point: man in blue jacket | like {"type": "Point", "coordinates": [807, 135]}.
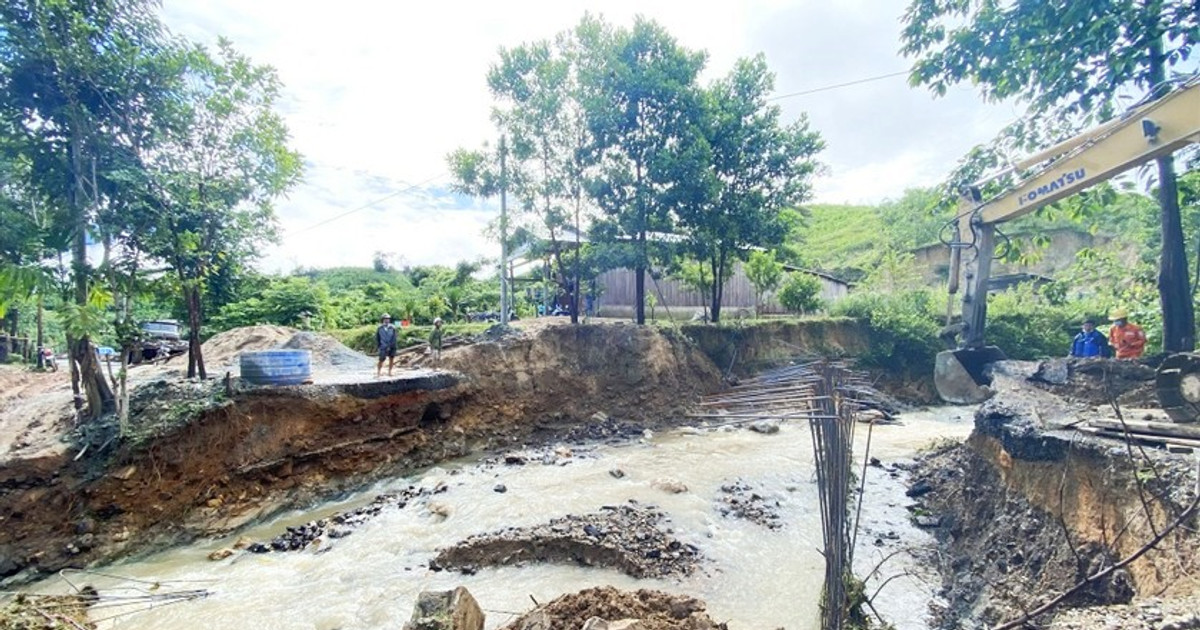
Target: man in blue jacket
{"type": "Point", "coordinates": [1089, 342]}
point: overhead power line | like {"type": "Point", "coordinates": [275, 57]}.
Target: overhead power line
{"type": "Point", "coordinates": [439, 175]}
{"type": "Point", "coordinates": [372, 203]}
{"type": "Point", "coordinates": [839, 85]}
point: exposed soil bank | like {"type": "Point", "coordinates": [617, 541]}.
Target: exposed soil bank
{"type": "Point", "coordinates": [1027, 508]}
{"type": "Point", "coordinates": [743, 350]}
{"type": "Point", "coordinates": [204, 460]}
{"type": "Point", "coordinates": [562, 375]}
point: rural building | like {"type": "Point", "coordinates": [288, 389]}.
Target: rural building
{"type": "Point", "coordinates": [616, 294]}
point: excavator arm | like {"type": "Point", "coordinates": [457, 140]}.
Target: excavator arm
{"type": "Point", "coordinates": [1156, 129]}
{"type": "Point", "coordinates": [1144, 133]}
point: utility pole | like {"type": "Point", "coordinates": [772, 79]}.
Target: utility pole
{"type": "Point", "coordinates": [504, 292]}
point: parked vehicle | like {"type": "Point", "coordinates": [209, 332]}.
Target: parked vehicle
{"type": "Point", "coordinates": [160, 340]}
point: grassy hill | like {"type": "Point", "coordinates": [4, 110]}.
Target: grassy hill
{"type": "Point", "coordinates": [843, 239]}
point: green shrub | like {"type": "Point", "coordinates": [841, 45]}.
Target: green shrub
{"type": "Point", "coordinates": [801, 293]}
{"type": "Point", "coordinates": [362, 338]}
{"type": "Point", "coordinates": [904, 328]}
{"type": "Point", "coordinates": [1026, 325]}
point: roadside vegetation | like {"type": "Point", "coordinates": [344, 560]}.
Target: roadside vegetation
{"type": "Point", "coordinates": [139, 175]}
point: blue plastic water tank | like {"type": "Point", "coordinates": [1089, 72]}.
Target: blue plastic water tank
{"type": "Point", "coordinates": [277, 367]}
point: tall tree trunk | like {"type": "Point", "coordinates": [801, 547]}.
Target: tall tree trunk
{"type": "Point", "coordinates": [639, 280]}
{"type": "Point", "coordinates": [714, 298]}
{"type": "Point", "coordinates": [578, 286]}
{"type": "Point", "coordinates": [97, 392]}
{"type": "Point", "coordinates": [195, 355]}
{"type": "Point", "coordinates": [1179, 324]}
{"type": "Point", "coordinates": [639, 272]}
{"type": "Point", "coordinates": [13, 316]}
{"type": "Point", "coordinates": [1179, 319]}
{"type": "Point", "coordinates": [76, 381]}
{"type": "Point", "coordinates": [41, 330]}
{"type": "Point", "coordinates": [719, 278]}
{"type": "Point", "coordinates": [127, 347]}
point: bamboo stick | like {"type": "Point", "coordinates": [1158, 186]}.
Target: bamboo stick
{"type": "Point", "coordinates": [1157, 440]}
{"type": "Point", "coordinates": [1153, 428]}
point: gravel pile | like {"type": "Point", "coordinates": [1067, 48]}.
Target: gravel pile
{"type": "Point", "coordinates": [739, 500]}
{"type": "Point", "coordinates": [631, 538]}
{"type": "Point", "coordinates": [341, 524]}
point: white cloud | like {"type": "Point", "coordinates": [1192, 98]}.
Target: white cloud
{"type": "Point", "coordinates": [377, 93]}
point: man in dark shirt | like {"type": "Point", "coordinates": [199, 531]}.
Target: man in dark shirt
{"type": "Point", "coordinates": [385, 340]}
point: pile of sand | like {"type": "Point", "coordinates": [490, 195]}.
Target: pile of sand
{"type": "Point", "coordinates": [328, 352]}
{"type": "Point", "coordinates": [223, 349]}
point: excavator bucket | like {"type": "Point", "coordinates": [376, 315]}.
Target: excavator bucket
{"type": "Point", "coordinates": [960, 375]}
{"type": "Point", "coordinates": [1178, 384]}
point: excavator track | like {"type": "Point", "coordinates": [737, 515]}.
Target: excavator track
{"type": "Point", "coordinates": [1178, 384]}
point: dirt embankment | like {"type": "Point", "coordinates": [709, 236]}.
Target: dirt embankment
{"type": "Point", "coordinates": [560, 375]}
{"type": "Point", "coordinates": [201, 459]}
{"type": "Point", "coordinates": [744, 350]}
{"type": "Point", "coordinates": [1028, 508]}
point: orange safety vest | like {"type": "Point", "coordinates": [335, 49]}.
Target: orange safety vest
{"type": "Point", "coordinates": [1127, 340]}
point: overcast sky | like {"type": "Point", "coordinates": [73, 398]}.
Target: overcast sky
{"type": "Point", "coordinates": [378, 92]}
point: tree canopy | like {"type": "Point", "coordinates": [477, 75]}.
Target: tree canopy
{"type": "Point", "coordinates": [115, 132]}
{"type": "Point", "coordinates": [1073, 63]}
{"type": "Point", "coordinates": [611, 125]}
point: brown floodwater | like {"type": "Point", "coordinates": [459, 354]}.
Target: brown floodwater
{"type": "Point", "coordinates": [752, 577]}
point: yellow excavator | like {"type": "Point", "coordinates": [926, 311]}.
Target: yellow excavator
{"type": "Point", "coordinates": [1143, 133]}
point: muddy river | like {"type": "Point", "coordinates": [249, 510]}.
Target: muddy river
{"type": "Point", "coordinates": [752, 576]}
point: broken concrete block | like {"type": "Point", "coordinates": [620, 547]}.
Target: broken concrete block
{"type": "Point", "coordinates": [446, 610]}
{"type": "Point", "coordinates": [1053, 371]}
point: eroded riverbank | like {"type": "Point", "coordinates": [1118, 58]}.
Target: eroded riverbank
{"type": "Point", "coordinates": [751, 575]}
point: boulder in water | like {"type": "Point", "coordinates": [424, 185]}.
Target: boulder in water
{"type": "Point", "coordinates": [446, 610]}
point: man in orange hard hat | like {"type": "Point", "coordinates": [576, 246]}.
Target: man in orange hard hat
{"type": "Point", "coordinates": [1127, 339]}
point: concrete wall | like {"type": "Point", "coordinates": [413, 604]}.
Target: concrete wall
{"type": "Point", "coordinates": [934, 260]}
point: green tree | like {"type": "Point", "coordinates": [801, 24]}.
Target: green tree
{"type": "Point", "coordinates": [893, 272]}
{"type": "Point", "coordinates": [81, 86]}
{"type": "Point", "coordinates": [539, 109]}
{"type": "Point", "coordinates": [641, 101]}
{"type": "Point", "coordinates": [765, 273]}
{"type": "Point", "coordinates": [801, 293]}
{"type": "Point", "coordinates": [213, 172]}
{"type": "Point", "coordinates": [695, 276]}
{"type": "Point", "coordinates": [1071, 62]}
{"type": "Point", "coordinates": [24, 247]}
{"type": "Point", "coordinates": [753, 167]}
{"type": "Point", "coordinates": [915, 219]}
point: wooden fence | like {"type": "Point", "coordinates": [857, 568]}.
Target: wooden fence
{"type": "Point", "coordinates": [15, 347]}
{"type": "Point", "coordinates": [617, 291]}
